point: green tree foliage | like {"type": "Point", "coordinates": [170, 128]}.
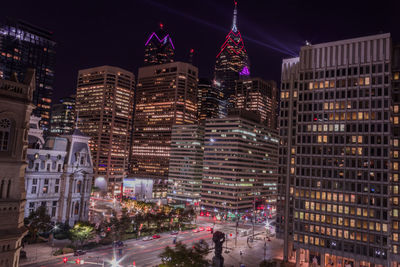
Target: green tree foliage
{"type": "Point", "coordinates": [38, 221]}
{"type": "Point", "coordinates": [182, 256]}
{"type": "Point", "coordinates": [81, 232]}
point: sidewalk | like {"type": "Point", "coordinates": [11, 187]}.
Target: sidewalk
{"type": "Point", "coordinates": [42, 252]}
{"type": "Point", "coordinates": [251, 256]}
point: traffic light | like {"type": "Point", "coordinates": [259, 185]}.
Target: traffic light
{"type": "Point", "coordinates": [230, 235]}
{"type": "Point", "coordinates": [78, 261]}
{"type": "Point", "coordinates": [65, 259]}
{"type": "Point", "coordinates": [134, 264]}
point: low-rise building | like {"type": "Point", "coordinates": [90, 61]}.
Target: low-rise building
{"type": "Point", "coordinates": [138, 188]}
{"type": "Point", "coordinates": [59, 175]}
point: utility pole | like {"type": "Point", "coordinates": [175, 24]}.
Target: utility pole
{"type": "Point", "coordinates": [265, 249]}
{"type": "Point", "coordinates": [237, 224]}
{"type": "Point", "coordinates": [254, 212]}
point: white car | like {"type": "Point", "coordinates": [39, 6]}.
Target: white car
{"type": "Point", "coordinates": [147, 238]}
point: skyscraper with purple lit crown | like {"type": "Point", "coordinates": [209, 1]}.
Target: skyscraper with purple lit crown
{"type": "Point", "coordinates": [159, 48]}
{"type": "Point", "coordinates": [231, 64]}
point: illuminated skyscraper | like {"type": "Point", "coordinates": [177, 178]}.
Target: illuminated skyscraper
{"type": "Point", "coordinates": [104, 104]}
{"type": "Point", "coordinates": [240, 164]}
{"type": "Point", "coordinates": [186, 164]}
{"type": "Point", "coordinates": [339, 153]}
{"type": "Point", "coordinates": [24, 46]}
{"type": "Point", "coordinates": [63, 116]}
{"type": "Point", "coordinates": [159, 48]}
{"type": "Point", "coordinates": [232, 63]}
{"type": "Point", "coordinates": [255, 94]}
{"type": "Point", "coordinates": [208, 100]}
{"type": "Point", "coordinates": [166, 95]}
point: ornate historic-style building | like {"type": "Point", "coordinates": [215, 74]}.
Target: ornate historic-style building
{"type": "Point", "coordinates": [59, 175]}
{"type": "Point", "coordinates": [15, 109]}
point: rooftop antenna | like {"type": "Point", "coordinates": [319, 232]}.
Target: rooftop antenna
{"type": "Point", "coordinates": [234, 23]}
{"type": "Point", "coordinates": [191, 56]}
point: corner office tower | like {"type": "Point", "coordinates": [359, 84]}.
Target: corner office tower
{"type": "Point", "coordinates": [339, 153]}
{"type": "Point", "coordinates": [232, 63]}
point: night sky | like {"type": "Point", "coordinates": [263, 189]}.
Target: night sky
{"type": "Point", "coordinates": [94, 33]}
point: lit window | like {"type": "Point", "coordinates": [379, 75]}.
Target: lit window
{"type": "Point", "coordinates": [5, 127]}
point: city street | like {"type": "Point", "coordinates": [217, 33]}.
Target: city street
{"type": "Point", "coordinates": [146, 253]}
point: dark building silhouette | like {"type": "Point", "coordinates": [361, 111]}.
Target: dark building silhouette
{"type": "Point", "coordinates": [24, 46]}
{"type": "Point", "coordinates": [208, 99]}
{"type": "Point", "coordinates": [63, 116]}
{"type": "Point", "coordinates": [159, 48]}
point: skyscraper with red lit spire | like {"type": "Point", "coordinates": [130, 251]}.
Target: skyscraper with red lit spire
{"type": "Point", "coordinates": [232, 63]}
{"type": "Point", "coordinates": [159, 48]}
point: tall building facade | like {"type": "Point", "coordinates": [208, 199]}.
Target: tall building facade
{"type": "Point", "coordinates": [63, 116]}
{"type": "Point", "coordinates": [24, 46]}
{"type": "Point", "coordinates": [104, 104]}
{"type": "Point", "coordinates": [159, 48]}
{"type": "Point", "coordinates": [240, 164]}
{"type": "Point", "coordinates": [342, 181]}
{"type": "Point", "coordinates": [59, 175]}
{"type": "Point", "coordinates": [166, 95]}
{"type": "Point", "coordinates": [186, 164]}
{"type": "Point", "coordinates": [287, 151]}
{"type": "Point", "coordinates": [208, 100]}
{"type": "Point", "coordinates": [232, 63]}
{"type": "Point", "coordinates": [257, 95]}
{"type": "Point", "coordinates": [16, 103]}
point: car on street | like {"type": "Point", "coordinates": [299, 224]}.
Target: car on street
{"type": "Point", "coordinates": [156, 236]}
{"type": "Point", "coordinates": [209, 229]}
{"type": "Point", "coordinates": [174, 232]}
{"type": "Point", "coordinates": [79, 253]}
{"type": "Point", "coordinates": [196, 230]}
{"type": "Point", "coordinates": [147, 238]}
{"type": "Point", "coordinates": [201, 229]}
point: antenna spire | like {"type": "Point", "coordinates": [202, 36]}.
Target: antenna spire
{"type": "Point", "coordinates": [234, 26]}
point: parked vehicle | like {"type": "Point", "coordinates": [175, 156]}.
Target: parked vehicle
{"type": "Point", "coordinates": [79, 253]}
{"type": "Point", "coordinates": [156, 236]}
{"type": "Point", "coordinates": [147, 238]}
{"type": "Point", "coordinates": [174, 232]}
